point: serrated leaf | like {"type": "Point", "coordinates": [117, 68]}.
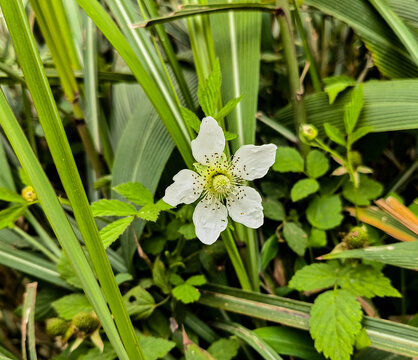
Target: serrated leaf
{"type": "Point", "coordinates": [190, 118]}
{"type": "Point", "coordinates": [288, 160]}
{"type": "Point", "coordinates": [315, 276]}
{"type": "Point", "coordinates": [115, 229]}
{"type": "Point", "coordinates": [359, 133]}
{"type": "Point", "coordinates": [11, 196]}
{"type": "Point", "coordinates": [67, 272]}
{"type": "Point", "coordinates": [105, 207]}
{"type": "Point", "coordinates": [70, 305]}
{"type": "Point", "coordinates": [196, 280]}
{"type": "Point", "coordinates": [188, 231]}
{"type": "Point", "coordinates": [209, 92]}
{"type": "Point", "coordinates": [368, 190]}
{"type": "Point", "coordinates": [362, 340]}
{"type": "Point", "coordinates": [102, 182]}
{"type": "Point", "coordinates": [136, 193]}
{"type": "Point", "coordinates": [324, 212]}
{"type": "Point", "coordinates": [317, 238]}
{"type": "Point", "coordinates": [194, 352]}
{"type": "Point", "coordinates": [273, 209]}
{"type": "Point", "coordinates": [186, 293]}
{"type": "Point", "coordinates": [336, 84]}
{"type": "Point", "coordinates": [224, 349]}
{"type": "Point", "coordinates": [176, 279]}
{"type": "Point", "coordinates": [317, 164]}
{"type": "Point", "coordinates": [269, 251]}
{"type": "Point", "coordinates": [139, 302]}
{"type": "Point", "coordinates": [230, 105]}
{"type": "Point", "coordinates": [335, 321]}
{"type": "Point", "coordinates": [303, 188]}
{"type": "Point", "coordinates": [149, 212]}
{"type": "Point", "coordinates": [334, 134]}
{"type": "Point", "coordinates": [295, 237]}
{"type": "Point", "coordinates": [155, 348]}
{"type": "Point", "coordinates": [162, 205]}
{"type": "Point", "coordinates": [10, 215]}
{"type": "Point", "coordinates": [160, 277]}
{"type": "Point", "coordinates": [353, 108]}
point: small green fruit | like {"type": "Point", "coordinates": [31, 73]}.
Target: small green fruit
{"type": "Point", "coordinates": [86, 322]}
{"type": "Point", "coordinates": [357, 238]}
{"type": "Point", "coordinates": [57, 327]}
{"type": "Point", "coordinates": [308, 131]}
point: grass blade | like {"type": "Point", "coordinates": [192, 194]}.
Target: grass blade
{"type": "Point", "coordinates": [28, 321]}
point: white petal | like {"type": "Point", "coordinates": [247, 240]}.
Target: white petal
{"type": "Point", "coordinates": [244, 206]}
{"type": "Point", "coordinates": [252, 162]}
{"type": "Point", "coordinates": [210, 218]}
{"type": "Point", "coordinates": [186, 188]}
{"type": "Point", "coordinates": [210, 143]}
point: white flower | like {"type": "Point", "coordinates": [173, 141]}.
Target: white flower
{"type": "Point", "coordinates": [220, 181]}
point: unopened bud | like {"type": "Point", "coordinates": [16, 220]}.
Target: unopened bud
{"type": "Point", "coordinates": [57, 327]}
{"type": "Point", "coordinates": [29, 194]}
{"type": "Point", "coordinates": [357, 238]}
{"type": "Point", "coordinates": [355, 159]}
{"type": "Point", "coordinates": [308, 131]}
{"type": "Point", "coordinates": [86, 322]}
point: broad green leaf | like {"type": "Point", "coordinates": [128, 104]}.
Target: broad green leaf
{"type": "Point", "coordinates": [317, 164]}
{"type": "Point", "coordinates": [324, 212]}
{"type": "Point", "coordinates": [194, 352]}
{"type": "Point", "coordinates": [368, 189]}
{"type": "Point", "coordinates": [70, 305]}
{"type": "Point", "coordinates": [10, 215]}
{"type": "Point", "coordinates": [155, 348]}
{"type": "Point", "coordinates": [303, 188]}
{"type": "Point", "coordinates": [273, 209]}
{"type": "Point", "coordinates": [196, 280]}
{"type": "Point", "coordinates": [335, 321]}
{"type": "Point", "coordinates": [317, 238]}
{"type": "Point", "coordinates": [288, 160]}
{"type": "Point", "coordinates": [191, 118]}
{"type": "Point", "coordinates": [359, 133]}
{"type": "Point", "coordinates": [362, 340]}
{"type": "Point", "coordinates": [163, 205]}
{"type": "Point", "coordinates": [295, 237]}
{"type": "Point", "coordinates": [224, 349]}
{"type": "Point", "coordinates": [136, 193]}
{"type": "Point", "coordinates": [334, 134]}
{"type": "Point", "coordinates": [176, 279]}
{"type": "Point", "coordinates": [115, 229]}
{"type": "Point", "coordinates": [186, 293]}
{"type": "Point", "coordinates": [209, 92]}
{"type": "Point", "coordinates": [149, 212]}
{"type": "Point", "coordinates": [230, 105]}
{"type": "Point", "coordinates": [66, 271]}
{"type": "Point", "coordinates": [229, 136]}
{"type": "Point", "coordinates": [154, 245]}
{"type": "Point", "coordinates": [139, 302]}
{"type": "Point", "coordinates": [188, 231]}
{"type": "Point", "coordinates": [105, 207]}
{"type": "Point", "coordinates": [353, 108]}
{"type": "Point", "coordinates": [336, 84]}
{"type": "Point", "coordinates": [11, 196]}
{"type": "Point", "coordinates": [315, 276]}
{"type": "Point", "coordinates": [160, 277]}
{"type": "Point", "coordinates": [269, 251]}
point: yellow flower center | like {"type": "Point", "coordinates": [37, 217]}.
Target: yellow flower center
{"type": "Point", "coordinates": [221, 184]}
{"type": "Point", "coordinates": [29, 194]}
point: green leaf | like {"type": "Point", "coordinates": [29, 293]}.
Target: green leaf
{"type": "Point", "coordinates": [160, 276]}
{"type": "Point", "coordinates": [186, 293]}
{"type": "Point", "coordinates": [115, 229]}
{"type": "Point", "coordinates": [317, 238]}
{"type": "Point", "coordinates": [295, 237]}
{"type": "Point", "coordinates": [368, 190]}
{"type": "Point", "coordinates": [70, 305]}
{"type": "Point", "coordinates": [188, 231]}
{"type": "Point", "coordinates": [335, 321]}
{"type": "Point", "coordinates": [229, 136]}
{"type": "Point", "coordinates": [362, 339]}
{"type": "Point", "coordinates": [95, 353]}
{"type": "Point", "coordinates": [324, 212]}
{"type": "Point", "coordinates": [149, 212]}
{"type": "Point", "coordinates": [269, 251]}
{"type": "Point", "coordinates": [136, 193]}
{"type": "Point", "coordinates": [315, 276]}
{"type": "Point", "coordinates": [24, 178]}
{"type": "Point", "coordinates": [105, 207]}
{"type": "Point", "coordinates": [230, 105]}
{"type": "Point", "coordinates": [317, 164]}
{"type": "Point", "coordinates": [191, 119]}
{"type": "Point", "coordinates": [162, 205]}
{"type": "Point", "coordinates": [288, 160]}
{"type": "Point", "coordinates": [10, 215]}
{"type": "Point", "coordinates": [224, 349]}
{"type": "Point", "coordinates": [155, 348]}
{"type": "Point", "coordinates": [196, 280]}
{"type": "Point", "coordinates": [352, 109]}
{"type": "Point", "coordinates": [210, 92]}
{"type": "Point", "coordinates": [66, 271]}
{"type": "Point", "coordinates": [336, 84]}
{"type": "Point", "coordinates": [11, 196]}
{"type": "Point", "coordinates": [176, 279]}
{"type": "Point", "coordinates": [334, 134]}
{"type": "Point", "coordinates": [139, 303]}
{"type": "Point", "coordinates": [194, 352]}
{"type": "Point", "coordinates": [359, 133]}
{"type": "Point", "coordinates": [303, 188]}
{"type": "Point", "coordinates": [273, 209]}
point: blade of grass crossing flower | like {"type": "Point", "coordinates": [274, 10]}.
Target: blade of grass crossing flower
{"type": "Point", "coordinates": [30, 62]}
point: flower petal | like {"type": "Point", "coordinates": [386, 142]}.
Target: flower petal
{"type": "Point", "coordinates": [252, 162]}
{"type": "Point", "coordinates": [244, 206]}
{"type": "Point", "coordinates": [210, 143]}
{"type": "Point", "coordinates": [210, 218]}
{"type": "Point", "coordinates": [186, 188]}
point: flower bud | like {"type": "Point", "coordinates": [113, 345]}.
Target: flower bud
{"type": "Point", "coordinates": [29, 194]}
{"type": "Point", "coordinates": [308, 131]}
{"type": "Point", "coordinates": [86, 322]}
{"type": "Point", "coordinates": [355, 158]}
{"type": "Point", "coordinates": [357, 238]}
{"type": "Point", "coordinates": [57, 327]}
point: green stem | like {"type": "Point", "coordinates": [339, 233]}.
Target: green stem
{"type": "Point", "coordinates": [235, 258]}
{"type": "Point", "coordinates": [326, 148]}
{"type": "Point", "coordinates": [43, 234]}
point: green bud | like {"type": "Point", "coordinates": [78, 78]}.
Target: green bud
{"type": "Point", "coordinates": [355, 158]}
{"type": "Point", "coordinates": [29, 194]}
{"type": "Point", "coordinates": [357, 238]}
{"type": "Point", "coordinates": [308, 131]}
{"type": "Point", "coordinates": [86, 322]}
{"type": "Point", "coordinates": [57, 327]}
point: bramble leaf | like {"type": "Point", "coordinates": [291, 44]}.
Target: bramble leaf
{"type": "Point", "coordinates": [288, 160]}
{"type": "Point", "coordinates": [353, 109]}
{"type": "Point", "coordinates": [336, 84]}
{"type": "Point", "coordinates": [315, 276]}
{"type": "Point", "coordinates": [295, 237]}
{"type": "Point", "coordinates": [70, 305]}
{"type": "Point", "coordinates": [317, 164]}
{"type": "Point", "coordinates": [324, 212]}
{"type": "Point", "coordinates": [186, 293]}
{"type": "Point", "coordinates": [317, 238]}
{"type": "Point", "coordinates": [105, 207]}
{"type": "Point", "coordinates": [224, 349]}
{"type": "Point", "coordinates": [10, 215]}
{"type": "Point", "coordinates": [115, 229]}
{"type": "Point", "coordinates": [273, 209]}
{"type": "Point", "coordinates": [136, 193]}
{"type": "Point", "coordinates": [334, 134]}
{"type": "Point", "coordinates": [303, 188]}
{"type": "Point", "coordinates": [209, 91]}
{"type": "Point", "coordinates": [190, 118]}
{"type": "Point", "coordinates": [230, 105]}
{"type": "Point", "coordinates": [149, 212]}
